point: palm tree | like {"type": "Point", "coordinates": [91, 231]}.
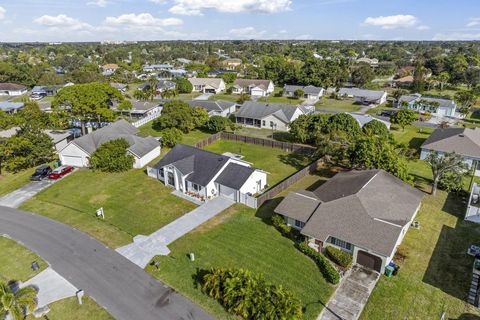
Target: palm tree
{"type": "Point", "coordinates": [17, 304]}
{"type": "Point", "coordinates": [153, 83]}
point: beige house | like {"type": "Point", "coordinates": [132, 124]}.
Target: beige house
{"type": "Point", "coordinates": [207, 85]}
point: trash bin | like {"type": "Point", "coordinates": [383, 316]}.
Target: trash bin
{"type": "Point", "coordinates": [389, 271]}
{"type": "Point", "coordinates": [395, 271]}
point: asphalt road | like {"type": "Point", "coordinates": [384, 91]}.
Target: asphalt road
{"type": "Point", "coordinates": [126, 291]}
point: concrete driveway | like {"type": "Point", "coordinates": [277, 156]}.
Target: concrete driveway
{"type": "Point", "coordinates": [19, 196]}
{"type": "Point", "coordinates": [126, 291]}
{"type": "Point", "coordinates": [204, 96]}
{"type": "Point", "coordinates": [351, 296]}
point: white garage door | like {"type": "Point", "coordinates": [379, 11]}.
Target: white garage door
{"type": "Point", "coordinates": [72, 161]}
{"type": "Point", "coordinates": [227, 192]}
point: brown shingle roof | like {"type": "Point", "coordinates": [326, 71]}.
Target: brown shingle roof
{"type": "Point", "coordinates": [6, 86]}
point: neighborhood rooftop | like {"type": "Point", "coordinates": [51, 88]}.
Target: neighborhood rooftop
{"type": "Point", "coordinates": [464, 141]}
{"type": "Point", "coordinates": [211, 105]}
{"type": "Point", "coordinates": [363, 93]}
{"type": "Point", "coordinates": [258, 110]}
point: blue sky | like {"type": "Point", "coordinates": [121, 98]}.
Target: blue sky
{"type": "Point", "coordinates": [96, 20]}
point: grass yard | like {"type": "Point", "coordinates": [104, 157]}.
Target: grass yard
{"type": "Point", "coordinates": [436, 273]}
{"type": "Point", "coordinates": [242, 238]}
{"type": "Point", "coordinates": [282, 100]}
{"type": "Point", "coordinates": [190, 138]}
{"type": "Point", "coordinates": [279, 164]}
{"type": "Point", "coordinates": [12, 181]}
{"type": "Point", "coordinates": [69, 309]}
{"type": "Point", "coordinates": [226, 97]}
{"type": "Point", "coordinates": [133, 202]}
{"type": "Point", "coordinates": [337, 105]}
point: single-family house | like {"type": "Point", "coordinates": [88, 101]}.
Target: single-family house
{"type": "Point", "coordinates": [403, 81]}
{"type": "Point", "coordinates": [143, 149]}
{"type": "Point", "coordinates": [365, 213]}
{"type": "Point", "coordinates": [215, 107]}
{"type": "Point", "coordinates": [463, 141]}
{"type": "Point", "coordinates": [12, 89]}
{"type": "Point", "coordinates": [158, 67]}
{"type": "Point", "coordinates": [109, 69]}
{"type": "Point", "coordinates": [119, 86]}
{"type": "Point", "coordinates": [60, 138]}
{"type": "Point", "coordinates": [371, 62]}
{"type": "Point", "coordinates": [140, 109]}
{"type": "Point", "coordinates": [364, 96]}
{"type": "Point", "coordinates": [310, 92]}
{"type": "Point", "coordinates": [255, 88]}
{"type": "Point", "coordinates": [363, 119]}
{"type": "Point", "coordinates": [45, 91]}
{"type": "Point", "coordinates": [207, 85]}
{"type": "Point", "coordinates": [219, 72]}
{"type": "Point", "coordinates": [11, 107]}
{"type": "Point", "coordinates": [205, 175]}
{"type": "Point", "coordinates": [436, 106]}
{"type": "Point", "coordinates": [165, 85]}
{"type": "Point", "coordinates": [232, 63]}
{"type": "Point", "coordinates": [184, 60]}
{"type": "Point", "coordinates": [270, 115]}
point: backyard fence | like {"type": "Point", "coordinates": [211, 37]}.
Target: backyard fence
{"type": "Point", "coordinates": [152, 116]}
{"type": "Point", "coordinates": [285, 146]}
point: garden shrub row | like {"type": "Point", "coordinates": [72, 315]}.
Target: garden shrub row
{"type": "Point", "coordinates": [327, 269]}
{"type": "Point", "coordinates": [342, 258]}
{"type": "Point", "coordinates": [287, 231]}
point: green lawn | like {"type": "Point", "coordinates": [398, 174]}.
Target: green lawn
{"type": "Point", "coordinates": [133, 202]}
{"type": "Point", "coordinates": [436, 273]}
{"type": "Point", "coordinates": [264, 133]}
{"type": "Point", "coordinates": [12, 181]}
{"type": "Point", "coordinates": [279, 164]}
{"type": "Point", "coordinates": [69, 309]}
{"type": "Point", "coordinates": [242, 238]}
{"type": "Point", "coordinates": [226, 97]}
{"type": "Point", "coordinates": [283, 100]}
{"type": "Point", "coordinates": [190, 138]}
{"type": "Point", "coordinates": [345, 105]}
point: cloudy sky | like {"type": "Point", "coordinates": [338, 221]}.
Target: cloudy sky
{"type": "Point", "coordinates": [96, 20]}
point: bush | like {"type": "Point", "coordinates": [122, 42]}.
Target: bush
{"type": "Point", "coordinates": [170, 137]}
{"type": "Point", "coordinates": [340, 257]}
{"type": "Point", "coordinates": [243, 98]}
{"type": "Point", "coordinates": [249, 296]}
{"type": "Point", "coordinates": [326, 268]}
{"type": "Point", "coordinates": [218, 124]}
{"type": "Point", "coordinates": [287, 231]}
{"type": "Point", "coordinates": [183, 85]}
{"type": "Point", "coordinates": [112, 156]}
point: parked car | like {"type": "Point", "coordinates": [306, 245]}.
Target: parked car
{"type": "Point", "coordinates": [60, 172]}
{"type": "Point", "coordinates": [388, 113]}
{"type": "Point", "coordinates": [41, 173]}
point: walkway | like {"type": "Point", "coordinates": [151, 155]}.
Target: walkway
{"type": "Point", "coordinates": [126, 291]}
{"type": "Point", "coordinates": [144, 248]}
{"type": "Point", "coordinates": [351, 296]}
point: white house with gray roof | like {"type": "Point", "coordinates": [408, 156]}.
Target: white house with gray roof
{"type": "Point", "coordinates": [253, 87]}
{"type": "Point", "coordinates": [436, 106]}
{"type": "Point", "coordinates": [205, 175]}
{"type": "Point", "coordinates": [364, 96]}
{"type": "Point", "coordinates": [270, 115]}
{"type": "Point", "coordinates": [365, 213]}
{"type": "Point", "coordinates": [215, 107]}
{"type": "Point", "coordinates": [143, 149]}
{"type": "Point", "coordinates": [207, 85]}
{"type": "Point", "coordinates": [310, 92]}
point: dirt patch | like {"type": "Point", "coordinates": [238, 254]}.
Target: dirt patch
{"type": "Point", "coordinates": [99, 198]}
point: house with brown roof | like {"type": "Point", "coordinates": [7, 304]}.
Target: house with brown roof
{"type": "Point", "coordinates": [255, 88]}
{"type": "Point", "coordinates": [12, 89]}
{"type": "Point", "coordinates": [463, 141]}
{"type": "Point", "coordinates": [365, 213]}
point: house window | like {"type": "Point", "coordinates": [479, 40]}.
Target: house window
{"type": "Point", "coordinates": [271, 124]}
{"type": "Point", "coordinates": [299, 224]}
{"type": "Point", "coordinates": [196, 187]}
{"type": "Point", "coordinates": [263, 122]}
{"type": "Point", "coordinates": [162, 173]}
{"type": "Point", "coordinates": [171, 179]}
{"type": "Point", "coordinates": [340, 243]}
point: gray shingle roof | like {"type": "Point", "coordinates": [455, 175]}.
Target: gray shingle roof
{"type": "Point", "coordinates": [244, 83]}
{"type": "Point", "coordinates": [139, 146]}
{"type": "Point", "coordinates": [307, 89]}
{"type": "Point", "coordinates": [463, 141]}
{"type": "Point", "coordinates": [211, 105]}
{"type": "Point", "coordinates": [212, 82]}
{"type": "Point", "coordinates": [234, 175]}
{"type": "Point", "coordinates": [370, 95]}
{"type": "Point", "coordinates": [442, 103]}
{"type": "Point", "coordinates": [298, 205]}
{"type": "Point", "coordinates": [367, 208]}
{"type": "Point", "coordinates": [259, 110]}
{"type": "Point", "coordinates": [201, 164]}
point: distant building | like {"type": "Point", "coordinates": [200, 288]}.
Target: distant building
{"type": "Point", "coordinates": [255, 88]}
{"type": "Point", "coordinates": [436, 106]}
{"type": "Point", "coordinates": [310, 92]}
{"type": "Point", "coordinates": [207, 85]}
{"type": "Point", "coordinates": [11, 107]}
{"type": "Point", "coordinates": [364, 96]}
{"type": "Point", "coordinates": [109, 69]}
{"type": "Point", "coordinates": [12, 89]}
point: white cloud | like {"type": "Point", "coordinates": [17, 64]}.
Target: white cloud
{"type": "Point", "coordinates": [159, 1]}
{"type": "Point", "coordinates": [423, 28]}
{"type": "Point", "coordinates": [473, 22]}
{"type": "Point", "coordinates": [196, 7]}
{"type": "Point", "coordinates": [142, 20]}
{"type": "Point", "coordinates": [2, 13]}
{"type": "Point", "coordinates": [62, 21]}
{"type": "Point", "coordinates": [455, 36]}
{"type": "Point", "coordinates": [392, 22]}
{"type": "Point", "coordinates": [98, 3]}
{"type": "Point", "coordinates": [247, 33]}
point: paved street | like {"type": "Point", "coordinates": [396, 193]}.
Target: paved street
{"type": "Point", "coordinates": [126, 291]}
{"type": "Point", "coordinates": [19, 196]}
{"type": "Point", "coordinates": [144, 248]}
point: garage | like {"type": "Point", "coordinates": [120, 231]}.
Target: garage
{"type": "Point", "coordinates": [227, 192]}
{"type": "Point", "coordinates": [369, 260]}
{"type": "Point", "coordinates": [73, 161]}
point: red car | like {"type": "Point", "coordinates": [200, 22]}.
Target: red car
{"type": "Point", "coordinates": [60, 172]}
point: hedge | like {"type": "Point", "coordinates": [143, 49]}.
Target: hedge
{"type": "Point", "coordinates": [278, 222]}
{"type": "Point", "coordinates": [326, 268]}
{"type": "Point", "coordinates": [340, 257]}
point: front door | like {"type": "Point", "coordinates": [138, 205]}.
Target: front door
{"type": "Point", "coordinates": [170, 179]}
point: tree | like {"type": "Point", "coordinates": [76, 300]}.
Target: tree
{"type": "Point", "coordinates": [443, 163]}
{"type": "Point", "coordinates": [229, 77]}
{"type": "Point", "coordinates": [200, 116]}
{"type": "Point", "coordinates": [362, 74]}
{"type": "Point", "coordinates": [152, 87]}
{"type": "Point", "coordinates": [170, 137]}
{"type": "Point", "coordinates": [403, 118]}
{"type": "Point", "coordinates": [376, 127]}
{"type": "Point", "coordinates": [419, 77]}
{"type": "Point", "coordinates": [31, 115]}
{"type": "Point", "coordinates": [443, 78]}
{"type": "Point", "coordinates": [466, 99]}
{"type": "Point", "coordinates": [243, 97]}
{"type": "Point", "coordinates": [299, 94]}
{"type": "Point", "coordinates": [177, 114]}
{"type": "Point", "coordinates": [169, 94]}
{"type": "Point", "coordinates": [140, 95]}
{"type": "Point", "coordinates": [112, 156]}
{"type": "Point", "coordinates": [183, 85]}
{"type": "Point", "coordinates": [88, 102]}
{"type": "Point", "coordinates": [472, 76]}
{"type": "Point", "coordinates": [218, 124]}
{"type": "Point", "coordinates": [343, 122]}
{"type": "Point", "coordinates": [15, 303]}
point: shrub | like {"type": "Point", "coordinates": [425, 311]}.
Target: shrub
{"type": "Point", "coordinates": [243, 98]}
{"type": "Point", "coordinates": [218, 124]}
{"type": "Point", "coordinates": [326, 268]}
{"type": "Point", "coordinates": [249, 296]}
{"type": "Point", "coordinates": [340, 257]}
{"type": "Point", "coordinates": [170, 137]}
{"type": "Point", "coordinates": [112, 156]}
{"type": "Point", "coordinates": [287, 231]}
{"type": "Point", "coordinates": [183, 85]}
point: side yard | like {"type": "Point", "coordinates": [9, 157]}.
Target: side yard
{"type": "Point", "coordinates": [345, 105]}
{"type": "Point", "coordinates": [190, 138]}
{"type": "Point", "coordinates": [12, 181]}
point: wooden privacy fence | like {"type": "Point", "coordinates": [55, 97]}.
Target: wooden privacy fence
{"type": "Point", "coordinates": [285, 146]}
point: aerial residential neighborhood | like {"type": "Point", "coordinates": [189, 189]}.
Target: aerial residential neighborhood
{"type": "Point", "coordinates": [239, 159]}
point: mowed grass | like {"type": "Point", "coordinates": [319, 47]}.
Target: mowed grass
{"type": "Point", "coordinates": [69, 309]}
{"type": "Point", "coordinates": [345, 105]}
{"type": "Point", "coordinates": [190, 138]}
{"type": "Point", "coordinates": [12, 181]}
{"type": "Point", "coordinates": [436, 273]}
{"type": "Point", "coordinates": [279, 164]}
{"type": "Point", "coordinates": [133, 204]}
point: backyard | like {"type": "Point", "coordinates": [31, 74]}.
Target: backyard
{"type": "Point", "coordinates": [16, 261]}
{"type": "Point", "coordinates": [240, 237]}
{"type": "Point", "coordinates": [330, 104]}
{"type": "Point", "coordinates": [190, 138]}
{"type": "Point", "coordinates": [12, 181]}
